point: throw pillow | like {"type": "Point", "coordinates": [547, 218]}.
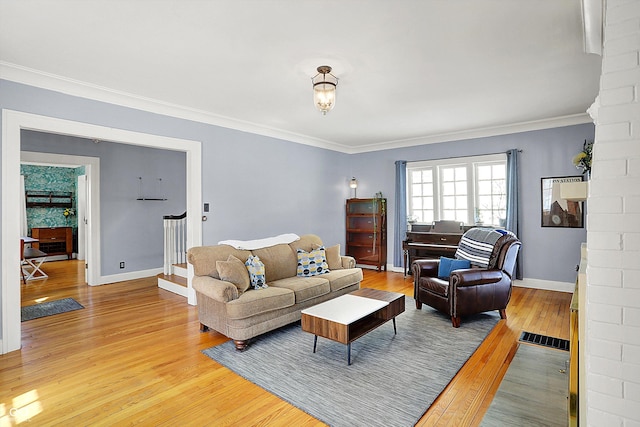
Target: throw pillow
{"type": "Point", "coordinates": [334, 260]}
{"type": "Point", "coordinates": [233, 270]}
{"type": "Point", "coordinates": [447, 265]}
{"type": "Point", "coordinates": [255, 267]}
{"type": "Point", "coordinates": [312, 263]}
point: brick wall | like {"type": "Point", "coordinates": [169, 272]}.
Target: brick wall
{"type": "Point", "coordinates": [613, 229]}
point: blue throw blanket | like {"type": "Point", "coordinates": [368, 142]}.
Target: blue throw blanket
{"type": "Point", "coordinates": [476, 245]}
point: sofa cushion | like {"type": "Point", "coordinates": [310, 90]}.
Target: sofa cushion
{"type": "Point", "coordinates": [233, 270]}
{"type": "Point", "coordinates": [203, 258]}
{"type": "Point", "coordinates": [279, 261]}
{"type": "Point", "coordinates": [312, 263]}
{"type": "Point", "coordinates": [333, 256]}
{"type": "Point", "coordinates": [340, 279]}
{"type": "Point", "coordinates": [304, 288]}
{"type": "Point", "coordinates": [256, 270]}
{"type": "Point", "coordinates": [307, 243]}
{"type": "Point", "coordinates": [258, 301]}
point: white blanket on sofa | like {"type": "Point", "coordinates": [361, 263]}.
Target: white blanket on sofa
{"type": "Point", "coordinates": [250, 245]}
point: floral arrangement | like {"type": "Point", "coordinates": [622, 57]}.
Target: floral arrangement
{"type": "Point", "coordinates": [582, 160]}
{"type": "Point", "coordinates": [68, 212]}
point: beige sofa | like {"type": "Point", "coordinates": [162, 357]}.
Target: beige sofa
{"type": "Point", "coordinates": [244, 315]}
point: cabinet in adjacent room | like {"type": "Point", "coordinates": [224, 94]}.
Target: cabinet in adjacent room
{"type": "Point", "coordinates": [367, 231]}
{"type": "Point", "coordinates": [54, 240]}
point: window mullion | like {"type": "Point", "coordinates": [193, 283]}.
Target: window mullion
{"type": "Point", "coordinates": [437, 188]}
{"type": "Point", "coordinates": [471, 193]}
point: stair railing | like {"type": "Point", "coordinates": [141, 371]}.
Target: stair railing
{"type": "Point", "coordinates": [175, 241]}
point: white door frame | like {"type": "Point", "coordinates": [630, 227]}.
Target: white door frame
{"type": "Point", "coordinates": [82, 213]}
{"type": "Point", "coordinates": [12, 123]}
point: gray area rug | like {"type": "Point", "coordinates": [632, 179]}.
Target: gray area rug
{"type": "Point", "coordinates": [49, 308]}
{"type": "Point", "coordinates": [392, 381]}
{"type": "Point", "coordinates": [533, 392]}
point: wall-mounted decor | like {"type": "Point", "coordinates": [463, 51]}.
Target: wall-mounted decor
{"type": "Point", "coordinates": [157, 195]}
{"type": "Point", "coordinates": [556, 211]}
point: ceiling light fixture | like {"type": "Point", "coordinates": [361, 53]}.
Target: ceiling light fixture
{"type": "Point", "coordinates": [324, 89]}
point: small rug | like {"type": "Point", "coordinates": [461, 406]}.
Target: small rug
{"type": "Point", "coordinates": [49, 308]}
{"type": "Point", "coordinates": [534, 390]}
{"type": "Point", "coordinates": [392, 381]}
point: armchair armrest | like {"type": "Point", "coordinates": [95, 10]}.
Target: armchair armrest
{"type": "Point", "coordinates": [348, 261]}
{"type": "Point", "coordinates": [425, 268]}
{"type": "Point", "coordinates": [215, 289]}
{"type": "Point", "coordinates": [475, 276]}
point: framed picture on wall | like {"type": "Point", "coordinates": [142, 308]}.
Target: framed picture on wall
{"type": "Point", "coordinates": [557, 212]}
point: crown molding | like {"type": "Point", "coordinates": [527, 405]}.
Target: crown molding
{"type": "Point", "coordinates": [31, 77]}
{"type": "Point", "coordinates": [549, 123]}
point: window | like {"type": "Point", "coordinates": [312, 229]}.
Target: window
{"type": "Point", "coordinates": [471, 190]}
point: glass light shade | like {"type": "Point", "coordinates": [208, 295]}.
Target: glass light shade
{"type": "Point", "coordinates": [324, 89]}
{"type": "Point", "coordinates": [353, 183]}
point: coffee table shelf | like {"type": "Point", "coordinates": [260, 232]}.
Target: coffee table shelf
{"type": "Point", "coordinates": [346, 318]}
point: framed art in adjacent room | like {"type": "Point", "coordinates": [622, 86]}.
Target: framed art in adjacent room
{"type": "Point", "coordinates": [556, 211]}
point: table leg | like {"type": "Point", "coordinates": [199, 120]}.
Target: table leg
{"type": "Point", "coordinates": [315, 342]}
{"type": "Point", "coordinates": [349, 354]}
{"type": "Point", "coordinates": [405, 262]}
{"type": "Point", "coordinates": [395, 332]}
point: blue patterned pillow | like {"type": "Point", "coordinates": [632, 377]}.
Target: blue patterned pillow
{"type": "Point", "coordinates": [255, 267]}
{"type": "Point", "coordinates": [312, 263]}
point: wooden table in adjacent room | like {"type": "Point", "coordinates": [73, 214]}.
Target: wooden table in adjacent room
{"type": "Point", "coordinates": [346, 318]}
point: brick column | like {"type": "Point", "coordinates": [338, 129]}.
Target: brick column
{"type": "Point", "coordinates": [613, 229]}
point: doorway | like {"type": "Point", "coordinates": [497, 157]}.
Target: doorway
{"type": "Point", "coordinates": [12, 123]}
{"type": "Point", "coordinates": [83, 195]}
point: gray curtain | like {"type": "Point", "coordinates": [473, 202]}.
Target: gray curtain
{"type": "Point", "coordinates": [513, 210]}
{"type": "Point", "coordinates": [400, 226]}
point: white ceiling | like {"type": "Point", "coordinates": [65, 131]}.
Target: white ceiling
{"type": "Point", "coordinates": [411, 71]}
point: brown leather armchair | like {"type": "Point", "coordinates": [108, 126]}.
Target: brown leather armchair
{"type": "Point", "coordinates": [468, 291]}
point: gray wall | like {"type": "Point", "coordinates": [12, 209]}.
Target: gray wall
{"type": "Point", "coordinates": [548, 253]}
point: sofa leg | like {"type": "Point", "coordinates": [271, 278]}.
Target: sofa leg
{"type": "Point", "coordinates": [203, 328]}
{"type": "Point", "coordinates": [241, 345]}
{"type": "Point", "coordinates": [418, 305]}
{"type": "Point", "coordinates": [503, 313]}
{"type": "Point", "coordinates": [455, 321]}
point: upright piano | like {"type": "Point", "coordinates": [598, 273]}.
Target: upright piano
{"type": "Point", "coordinates": [432, 241]}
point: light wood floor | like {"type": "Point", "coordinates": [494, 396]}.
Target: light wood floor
{"type": "Point", "coordinates": [133, 356]}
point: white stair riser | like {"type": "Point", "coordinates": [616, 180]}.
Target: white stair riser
{"type": "Point", "coordinates": [172, 287]}
{"type": "Point", "coordinates": [179, 271]}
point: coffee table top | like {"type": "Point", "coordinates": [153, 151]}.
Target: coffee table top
{"type": "Point", "coordinates": [345, 309]}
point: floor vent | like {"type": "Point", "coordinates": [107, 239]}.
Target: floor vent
{"type": "Point", "coordinates": [543, 340]}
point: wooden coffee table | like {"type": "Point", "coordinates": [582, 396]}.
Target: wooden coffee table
{"type": "Point", "coordinates": [346, 318]}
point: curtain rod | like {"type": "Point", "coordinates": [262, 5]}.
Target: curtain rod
{"type": "Point", "coordinates": [461, 157]}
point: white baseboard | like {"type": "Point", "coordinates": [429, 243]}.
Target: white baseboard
{"type": "Point", "coordinates": [59, 257]}
{"type": "Point", "coordinates": [133, 275]}
{"type": "Point", "coordinates": [548, 285]}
